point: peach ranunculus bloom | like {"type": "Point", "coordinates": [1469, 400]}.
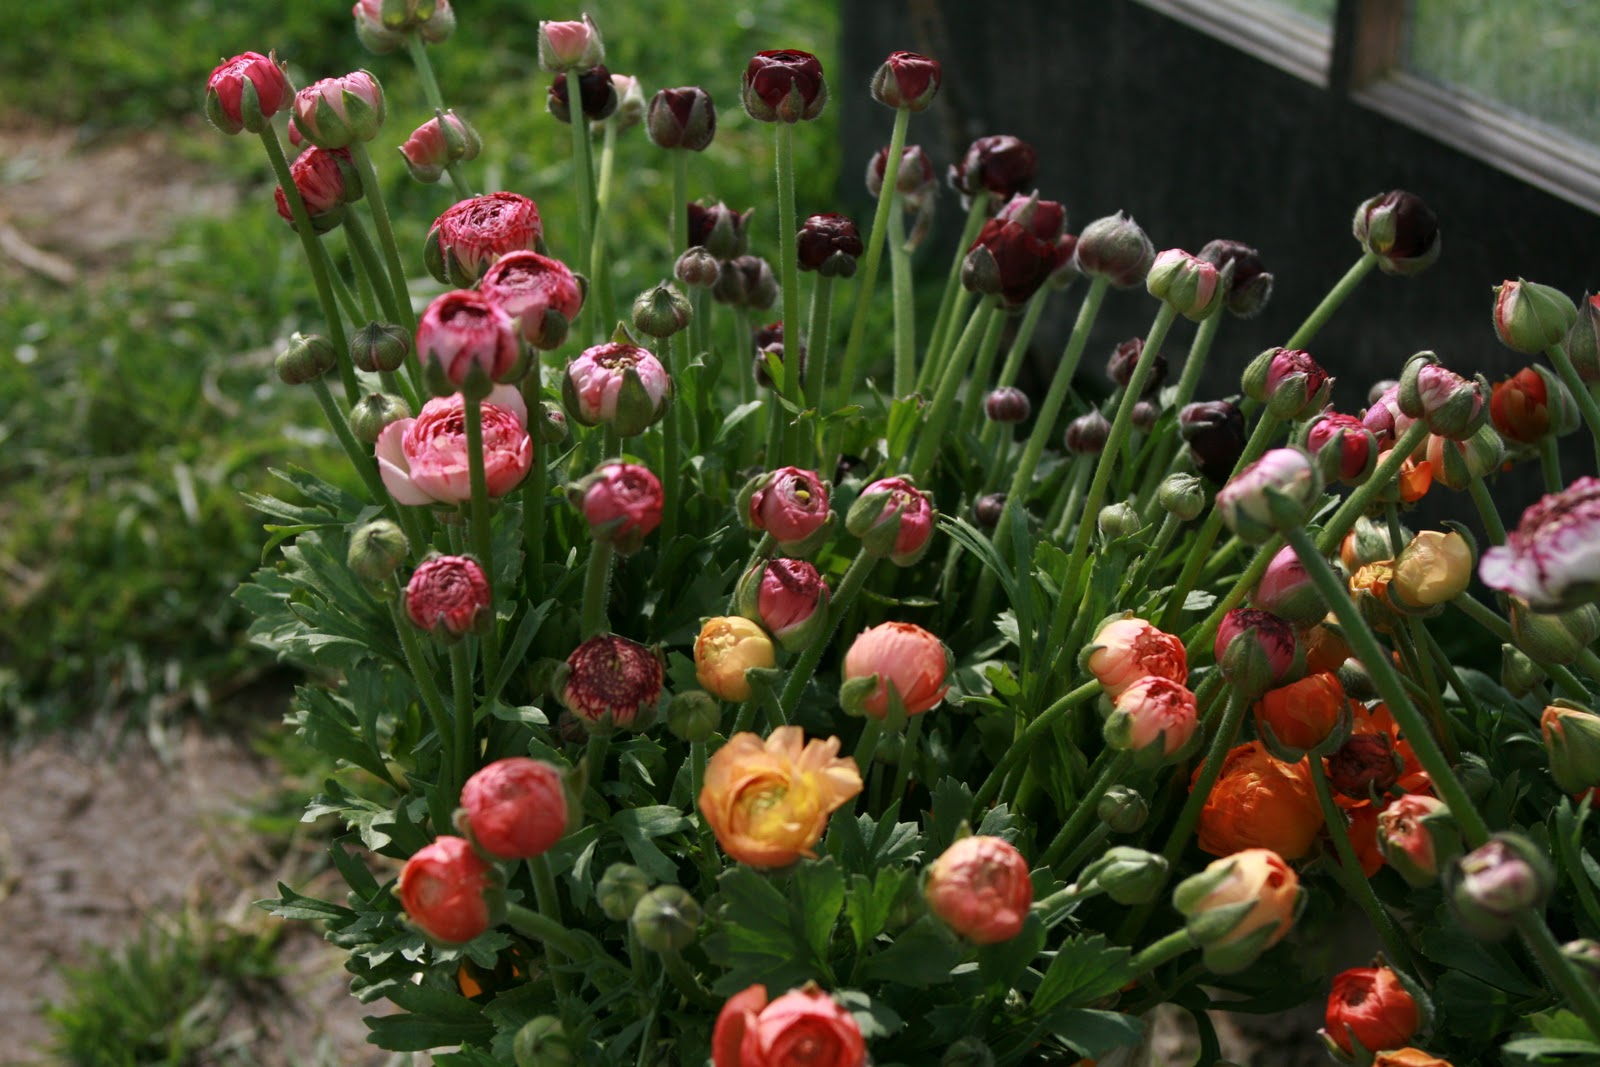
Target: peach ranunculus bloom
{"type": "Point", "coordinates": [1257, 876]}
{"type": "Point", "coordinates": [906, 656]}
{"type": "Point", "coordinates": [424, 460]}
{"type": "Point", "coordinates": [729, 645]}
{"type": "Point", "coordinates": [1260, 802]}
{"type": "Point", "coordinates": [980, 887]}
{"type": "Point", "coordinates": [1126, 650]}
{"type": "Point", "coordinates": [768, 801]}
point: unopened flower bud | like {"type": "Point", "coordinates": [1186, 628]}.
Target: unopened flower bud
{"type": "Point", "coordinates": [472, 234]}
{"type": "Point", "coordinates": [449, 892]}
{"type": "Point", "coordinates": [1249, 287]}
{"type": "Point", "coordinates": [1255, 650]}
{"type": "Point", "coordinates": [619, 384]}
{"type": "Point", "coordinates": [1214, 432]}
{"type": "Point", "coordinates": [1531, 405]}
{"type": "Point", "coordinates": [828, 244]}
{"type": "Point", "coordinates": [682, 118]}
{"type": "Point", "coordinates": [514, 808]}
{"type": "Point", "coordinates": [788, 598]}
{"type": "Point", "coordinates": [1125, 358]}
{"type": "Point", "coordinates": [792, 505]}
{"type": "Point", "coordinates": [906, 79]}
{"type": "Point", "coordinates": [1556, 637]}
{"type": "Point", "coordinates": [1128, 875]}
{"type": "Point", "coordinates": [550, 423]}
{"type": "Point", "coordinates": [1582, 342]}
{"type": "Point", "coordinates": [1518, 673]}
{"type": "Point", "coordinates": [619, 890]}
{"type": "Point", "coordinates": [893, 518]}
{"type": "Point", "coordinates": [667, 919]}
{"type": "Point", "coordinates": [337, 112]}
{"type": "Point", "coordinates": [630, 102]}
{"type": "Point", "coordinates": [1451, 405]}
{"type": "Point", "coordinates": [1188, 284]}
{"type": "Point", "coordinates": [374, 412]}
{"type": "Point", "coordinates": [783, 86]}
{"type": "Point", "coordinates": [988, 509]}
{"type": "Point", "coordinates": [1400, 230]}
{"type": "Point", "coordinates": [980, 888]}
{"type": "Point", "coordinates": [1530, 317]}
{"type": "Point", "coordinates": [1007, 404]}
{"type": "Point", "coordinates": [621, 502]}
{"type": "Point", "coordinates": [726, 648]}
{"type": "Point", "coordinates": [1417, 836]}
{"type": "Point", "coordinates": [1366, 765]}
{"type": "Point", "coordinates": [1572, 741]}
{"type": "Point", "coordinates": [746, 281]}
{"type": "Point", "coordinates": [1144, 416]}
{"type": "Point", "coordinates": [1345, 449]}
{"type": "Point", "coordinates": [914, 178]}
{"type": "Point", "coordinates": [597, 95]}
{"type": "Point", "coordinates": [542, 1042]}
{"type": "Point", "coordinates": [1239, 906]}
{"type": "Point", "coordinates": [1087, 434]}
{"type": "Point", "coordinates": [1116, 249]}
{"type": "Point", "coordinates": [379, 346]}
{"type": "Point", "coordinates": [693, 715]}
{"type": "Point", "coordinates": [1494, 883]}
{"type": "Point", "coordinates": [1292, 384]}
{"type": "Point", "coordinates": [376, 549]}
{"type": "Point", "coordinates": [1118, 521]}
{"type": "Point", "coordinates": [243, 93]}
{"type": "Point", "coordinates": [326, 180]}
{"type": "Point", "coordinates": [1000, 163]}
{"type": "Point", "coordinates": [697, 268]}
{"type": "Point", "coordinates": [308, 357]}
{"type": "Point", "coordinates": [1122, 809]}
{"type": "Point", "coordinates": [661, 311]}
{"type": "Point", "coordinates": [565, 46]}
{"type": "Point", "coordinates": [1372, 1006]}
{"type": "Point", "coordinates": [611, 683]}
{"type": "Point", "coordinates": [1182, 495]}
{"type": "Point", "coordinates": [1273, 494]}
{"type": "Point", "coordinates": [719, 229]}
{"type": "Point", "coordinates": [437, 143]}
{"type": "Point", "coordinates": [894, 662]}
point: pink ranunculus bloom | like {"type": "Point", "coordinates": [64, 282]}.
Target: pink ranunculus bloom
{"type": "Point", "coordinates": [803, 1026]}
{"type": "Point", "coordinates": [564, 46]}
{"type": "Point", "coordinates": [1358, 447]}
{"type": "Point", "coordinates": [790, 595]}
{"type": "Point", "coordinates": [1286, 590]}
{"type": "Point", "coordinates": [319, 177]}
{"type": "Point", "coordinates": [1154, 716]}
{"type": "Point", "coordinates": [791, 505]}
{"type": "Point", "coordinates": [622, 502]}
{"type": "Point", "coordinates": [1385, 419]}
{"type": "Point", "coordinates": [528, 286]}
{"type": "Point", "coordinates": [516, 807]}
{"type": "Point", "coordinates": [880, 502]}
{"type": "Point", "coordinates": [905, 656]}
{"type": "Point", "coordinates": [1407, 839]}
{"type": "Point", "coordinates": [473, 233]}
{"type": "Point", "coordinates": [596, 387]}
{"type": "Point", "coordinates": [980, 888]}
{"type": "Point", "coordinates": [443, 888]}
{"type": "Point", "coordinates": [462, 330]}
{"type": "Point", "coordinates": [424, 460]}
{"type": "Point", "coordinates": [1552, 558]}
{"type": "Point", "coordinates": [435, 145]}
{"type": "Point", "coordinates": [336, 112]}
{"type": "Point", "coordinates": [1126, 650]}
{"type": "Point", "coordinates": [1274, 638]}
{"type": "Point", "coordinates": [1274, 492]}
{"type": "Point", "coordinates": [448, 595]}
{"type": "Point", "coordinates": [225, 92]}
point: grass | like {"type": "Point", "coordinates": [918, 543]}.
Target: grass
{"type": "Point", "coordinates": [142, 405]}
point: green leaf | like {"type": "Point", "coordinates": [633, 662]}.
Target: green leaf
{"type": "Point", "coordinates": [280, 534]}
{"type": "Point", "coordinates": [1002, 964]}
{"type": "Point", "coordinates": [757, 937]}
{"type": "Point", "coordinates": [518, 648]}
{"type": "Point", "coordinates": [922, 955]}
{"type": "Point", "coordinates": [1095, 1033]}
{"type": "Point", "coordinates": [637, 826]}
{"type": "Point", "coordinates": [1085, 969]}
{"type": "Point", "coordinates": [437, 1017]}
{"type": "Point", "coordinates": [875, 1018]}
{"type": "Point", "coordinates": [952, 804]}
{"type": "Point", "coordinates": [870, 902]}
{"type": "Point", "coordinates": [1444, 943]}
{"type": "Point", "coordinates": [291, 905]}
{"type": "Point", "coordinates": [1539, 1047]}
{"type": "Point", "coordinates": [818, 893]}
{"type": "Point", "coordinates": [733, 419]}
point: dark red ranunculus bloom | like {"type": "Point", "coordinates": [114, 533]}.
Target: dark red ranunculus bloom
{"type": "Point", "coordinates": [682, 118]}
{"type": "Point", "coordinates": [597, 95]}
{"type": "Point", "coordinates": [1001, 163]}
{"type": "Point", "coordinates": [1010, 261]}
{"type": "Point", "coordinates": [785, 85]}
{"type": "Point", "coordinates": [718, 229]}
{"type": "Point", "coordinates": [906, 79]}
{"type": "Point", "coordinates": [1366, 762]}
{"type": "Point", "coordinates": [825, 242]}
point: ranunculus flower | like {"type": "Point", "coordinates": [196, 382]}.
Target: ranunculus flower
{"type": "Point", "coordinates": [621, 502]}
{"type": "Point", "coordinates": [729, 645]}
{"type": "Point", "coordinates": [445, 888]}
{"type": "Point", "coordinates": [1552, 558]}
{"type": "Point", "coordinates": [1045, 219]}
{"type": "Point", "coordinates": [768, 801]}
{"type": "Point", "coordinates": [914, 178]}
{"type": "Point", "coordinates": [1411, 833]}
{"type": "Point", "coordinates": [1451, 405]}
{"type": "Point", "coordinates": [906, 79]}
{"type": "Point", "coordinates": [1572, 742]}
{"type": "Point", "coordinates": [516, 807]}
{"type": "Point", "coordinates": [326, 182]}
{"type": "Point", "coordinates": [1251, 285]}
{"type": "Point", "coordinates": [424, 460]}
{"type": "Point", "coordinates": [621, 385]}
{"type": "Point", "coordinates": [1370, 1005]}
{"type": "Point", "coordinates": [1490, 886]}
{"type": "Point", "coordinates": [1153, 718]}
{"type": "Point", "coordinates": [789, 598]}
{"type": "Point", "coordinates": [1188, 283]}
{"type": "Point", "coordinates": [1400, 230]}
{"type": "Point", "coordinates": [564, 46]}
{"type": "Point", "coordinates": [597, 95]}
{"type": "Point", "coordinates": [1126, 650]}
{"type": "Point", "coordinates": [1366, 764]}
{"type": "Point", "coordinates": [1409, 1057]}
{"type": "Point", "coordinates": [473, 233]}
{"type": "Point", "coordinates": [1303, 714]}
{"type": "Point", "coordinates": [828, 244]}
{"type": "Point", "coordinates": [436, 144]}
{"type": "Point", "coordinates": [336, 112]}
{"type": "Point", "coordinates": [1087, 434]}
{"type": "Point", "coordinates": [1272, 494]}
{"type": "Point", "coordinates": [682, 118]}
{"type": "Point", "coordinates": [1257, 877]}
{"type": "Point", "coordinates": [383, 31]}
{"type": "Point", "coordinates": [532, 289]}
{"type": "Point", "coordinates": [790, 503]}
{"type": "Point", "coordinates": [1010, 261]}
{"type": "Point", "coordinates": [1260, 802]}
{"type": "Point", "coordinates": [804, 1026]}
{"type": "Point", "coordinates": [907, 657]}
{"type": "Point", "coordinates": [980, 888]}
{"type": "Point", "coordinates": [719, 229]}
{"type": "Point", "coordinates": [462, 330]}
{"type": "Point", "coordinates": [1214, 432]}
{"type": "Point", "coordinates": [1434, 569]}
{"type": "Point", "coordinates": [1000, 163]}
{"type": "Point", "coordinates": [243, 93]}
{"type": "Point", "coordinates": [893, 518]}
{"type": "Point", "coordinates": [1530, 317]}
{"type": "Point", "coordinates": [609, 681]}
{"type": "Point", "coordinates": [1007, 404]}
{"type": "Point", "coordinates": [1357, 447]}
{"type": "Point", "coordinates": [784, 86]}
{"type": "Point", "coordinates": [1264, 653]}
{"type": "Point", "coordinates": [448, 595]}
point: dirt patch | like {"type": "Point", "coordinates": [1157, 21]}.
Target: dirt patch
{"type": "Point", "coordinates": [96, 842]}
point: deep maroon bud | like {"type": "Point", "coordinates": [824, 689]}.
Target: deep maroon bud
{"type": "Point", "coordinates": [597, 95]}
{"type": "Point", "coordinates": [988, 510]}
{"type": "Point", "coordinates": [1250, 286]}
{"type": "Point", "coordinates": [1007, 404]}
{"type": "Point", "coordinates": [1086, 435]}
{"type": "Point", "coordinates": [719, 229]}
{"type": "Point", "coordinates": [1366, 764]}
{"type": "Point", "coordinates": [1400, 230]}
{"type": "Point", "coordinates": [784, 86]}
{"type": "Point", "coordinates": [1214, 431]}
{"type": "Point", "coordinates": [697, 268]}
{"type": "Point", "coordinates": [829, 245]}
{"type": "Point", "coordinates": [746, 281]}
{"type": "Point", "coordinates": [1144, 416]}
{"type": "Point", "coordinates": [1119, 368]}
{"type": "Point", "coordinates": [906, 80]}
{"type": "Point", "coordinates": [682, 118]}
{"type": "Point", "coordinates": [1117, 249]}
{"type": "Point", "coordinates": [1002, 164]}
{"type": "Point", "coordinates": [1046, 219]}
{"type": "Point", "coordinates": [914, 179]}
{"type": "Point", "coordinates": [1010, 261]}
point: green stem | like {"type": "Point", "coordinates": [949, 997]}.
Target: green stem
{"type": "Point", "coordinates": [380, 217]}
{"type": "Point", "coordinates": [557, 937]}
{"type": "Point", "coordinates": [908, 750]}
{"type": "Point", "coordinates": [1487, 512]}
{"type": "Point", "coordinates": [1053, 908]}
{"type": "Point", "coordinates": [315, 258]}
{"type": "Point", "coordinates": [1415, 637]}
{"type": "Point", "coordinates": [545, 892]}
{"type": "Point", "coordinates": [1550, 464]}
{"type": "Point", "coordinates": [1014, 357]}
{"type": "Point", "coordinates": [1381, 669]}
{"type": "Point", "coordinates": [1221, 744]}
{"type": "Point", "coordinates": [843, 597]}
{"type": "Point", "coordinates": [596, 589]}
{"type": "Point", "coordinates": [422, 672]}
{"type": "Point", "coordinates": [788, 265]}
{"type": "Point", "coordinates": [362, 460]}
{"type": "Point", "coordinates": [1348, 872]}
{"type": "Point", "coordinates": [888, 197]}
{"type": "Point", "coordinates": [1087, 808]}
{"type": "Point", "coordinates": [482, 531]}
{"type": "Point", "coordinates": [347, 370]}
{"type": "Point", "coordinates": [953, 299]}
{"type": "Point", "coordinates": [1168, 948]}
{"type": "Point", "coordinates": [814, 375]}
{"type": "Point", "coordinates": [671, 444]}
{"type": "Point", "coordinates": [1135, 580]}
{"type": "Point", "coordinates": [971, 409]}
{"type": "Point", "coordinates": [1330, 303]}
{"type": "Point", "coordinates": [1091, 841]}
{"type": "Point", "coordinates": [1580, 392]}
{"type": "Point", "coordinates": [1356, 504]}
{"type": "Point", "coordinates": [1193, 365]}
{"type": "Point", "coordinates": [1484, 616]}
{"type": "Point", "coordinates": [680, 204]}
{"type": "Point", "coordinates": [987, 319]}
{"type": "Point", "coordinates": [677, 969]}
{"type": "Point", "coordinates": [418, 50]}
{"type": "Point", "coordinates": [1580, 993]}
{"type": "Point", "coordinates": [466, 750]}
{"type": "Point", "coordinates": [371, 267]}
{"type": "Point", "coordinates": [534, 492]}
{"type": "Point", "coordinates": [867, 745]}
{"type": "Point", "coordinates": [365, 309]}
{"type": "Point", "coordinates": [583, 187]}
{"type": "Point", "coordinates": [905, 322]}
{"type": "Point", "coordinates": [600, 275]}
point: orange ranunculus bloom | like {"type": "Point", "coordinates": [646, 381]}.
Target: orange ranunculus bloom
{"type": "Point", "coordinates": [1416, 478]}
{"type": "Point", "coordinates": [1303, 714]}
{"type": "Point", "coordinates": [768, 801]}
{"type": "Point", "coordinates": [1325, 650]}
{"type": "Point", "coordinates": [1409, 1057]}
{"type": "Point", "coordinates": [1260, 802]}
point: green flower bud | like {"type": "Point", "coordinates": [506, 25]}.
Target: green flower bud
{"type": "Point", "coordinates": [379, 346]}
{"type": "Point", "coordinates": [662, 311]}
{"type": "Point", "coordinates": [1556, 638]}
{"type": "Point", "coordinates": [1572, 741]}
{"type": "Point", "coordinates": [1518, 673]}
{"type": "Point", "coordinates": [693, 715]}
{"type": "Point", "coordinates": [1127, 875]}
{"type": "Point", "coordinates": [371, 415]}
{"type": "Point", "coordinates": [620, 889]}
{"type": "Point", "coordinates": [1583, 340]}
{"type": "Point", "coordinates": [543, 1043]}
{"type": "Point", "coordinates": [1122, 809]}
{"type": "Point", "coordinates": [1530, 317]}
{"type": "Point", "coordinates": [376, 549]}
{"type": "Point", "coordinates": [308, 357]}
{"type": "Point", "coordinates": [667, 919]}
{"type": "Point", "coordinates": [1117, 521]}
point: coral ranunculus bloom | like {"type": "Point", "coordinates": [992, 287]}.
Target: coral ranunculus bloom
{"type": "Point", "coordinates": [804, 1025]}
{"type": "Point", "coordinates": [905, 656]}
{"type": "Point", "coordinates": [980, 887]}
{"type": "Point", "coordinates": [1126, 650]}
{"type": "Point", "coordinates": [1260, 802]}
{"type": "Point", "coordinates": [768, 801]}
{"type": "Point", "coordinates": [1302, 715]}
{"type": "Point", "coordinates": [1410, 1057]}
